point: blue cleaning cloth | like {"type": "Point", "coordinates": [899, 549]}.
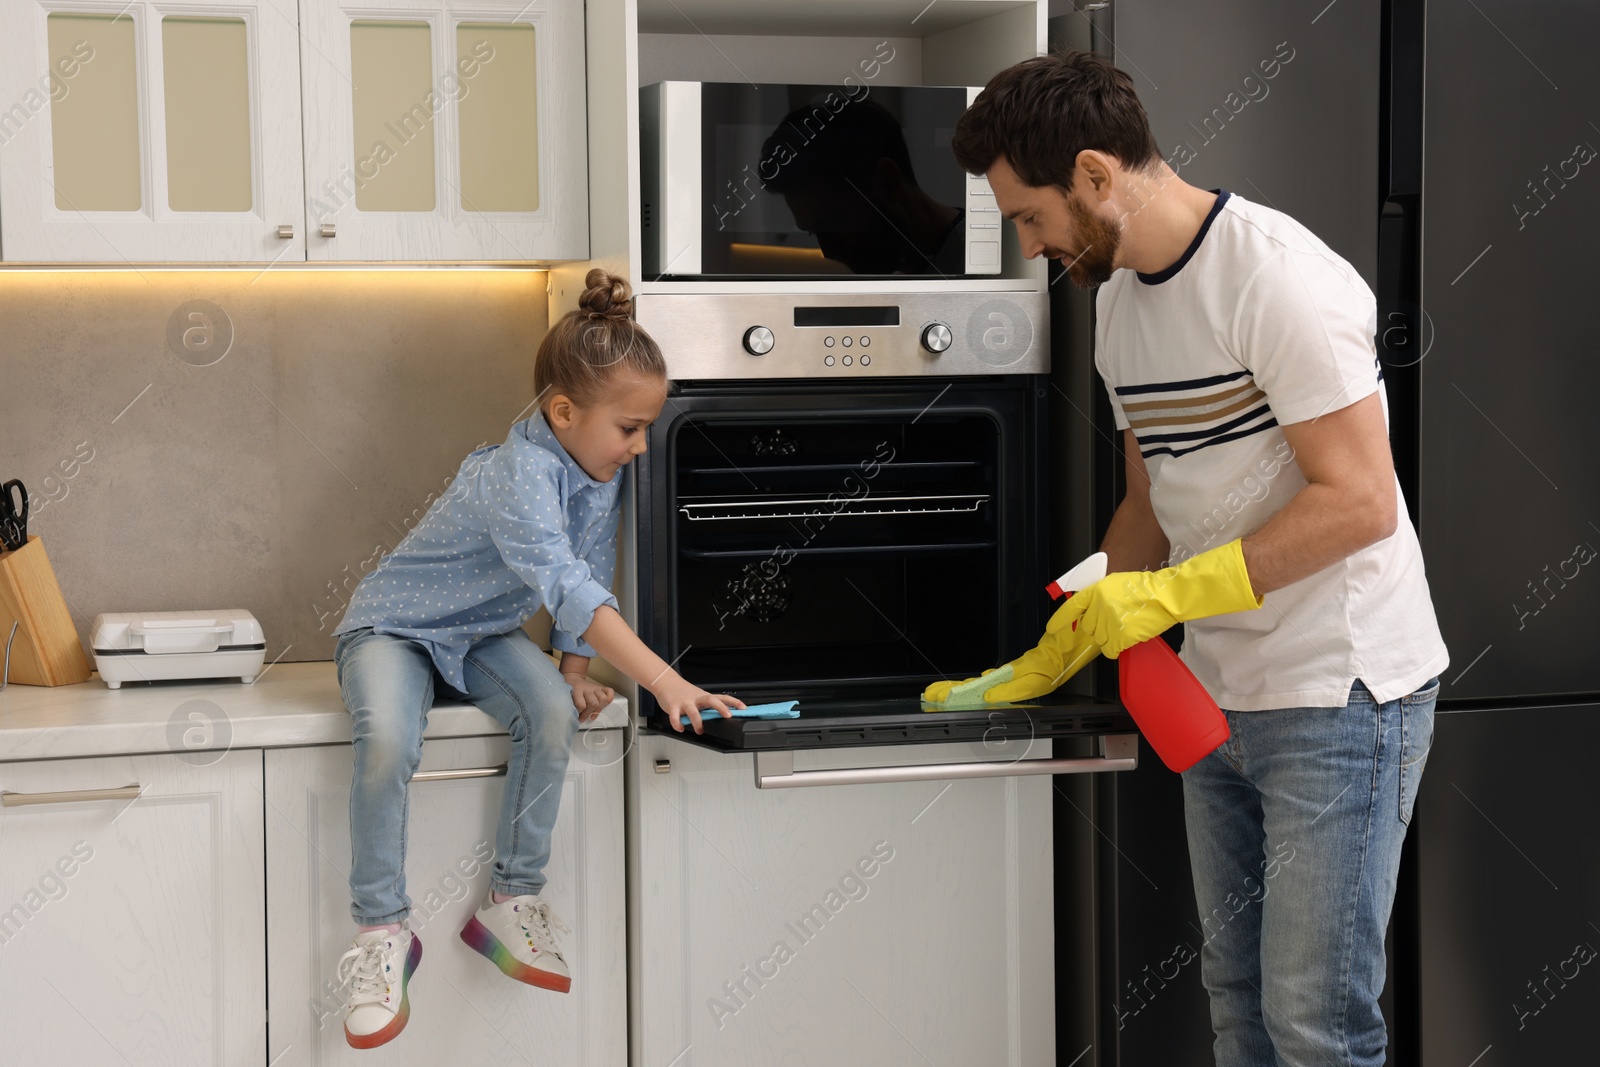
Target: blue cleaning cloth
{"type": "Point", "coordinates": [782, 710]}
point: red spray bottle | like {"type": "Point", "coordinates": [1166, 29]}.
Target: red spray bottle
{"type": "Point", "coordinates": [1172, 709]}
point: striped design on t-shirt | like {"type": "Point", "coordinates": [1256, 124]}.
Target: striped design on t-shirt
{"type": "Point", "coordinates": [1176, 418]}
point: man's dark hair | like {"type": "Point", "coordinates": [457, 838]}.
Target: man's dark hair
{"type": "Point", "coordinates": [1042, 112]}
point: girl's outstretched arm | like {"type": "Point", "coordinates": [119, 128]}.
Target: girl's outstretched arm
{"type": "Point", "coordinates": [610, 636]}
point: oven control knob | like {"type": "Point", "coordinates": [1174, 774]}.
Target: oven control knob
{"type": "Point", "coordinates": [758, 340]}
{"type": "Point", "coordinates": [936, 337]}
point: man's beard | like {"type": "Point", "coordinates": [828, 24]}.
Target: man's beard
{"type": "Point", "coordinates": [1097, 260]}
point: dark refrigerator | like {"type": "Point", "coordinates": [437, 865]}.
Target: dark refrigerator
{"type": "Point", "coordinates": [1445, 150]}
{"type": "Point", "coordinates": [1496, 278]}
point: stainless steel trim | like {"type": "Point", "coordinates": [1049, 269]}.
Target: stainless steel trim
{"type": "Point", "coordinates": [9, 799]}
{"type": "Point", "coordinates": [775, 770]}
{"type": "Point", "coordinates": [754, 509]}
{"type": "Point", "coordinates": [286, 232]}
{"type": "Point", "coordinates": [466, 772]}
{"type": "Point", "coordinates": [992, 332]}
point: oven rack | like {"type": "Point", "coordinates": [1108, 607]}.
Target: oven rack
{"type": "Point", "coordinates": [941, 548]}
{"type": "Point", "coordinates": [896, 466]}
{"type": "Point", "coordinates": [933, 504]}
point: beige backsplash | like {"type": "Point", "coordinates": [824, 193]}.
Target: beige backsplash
{"type": "Point", "coordinates": [273, 477]}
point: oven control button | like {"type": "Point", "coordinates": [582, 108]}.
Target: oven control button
{"type": "Point", "coordinates": [936, 337]}
{"type": "Point", "coordinates": [846, 361]}
{"type": "Point", "coordinates": [865, 359]}
{"type": "Point", "coordinates": [827, 361]}
{"type": "Point", "coordinates": [758, 340]}
{"type": "Point", "coordinates": [865, 340]}
{"type": "Point", "coordinates": [827, 342]}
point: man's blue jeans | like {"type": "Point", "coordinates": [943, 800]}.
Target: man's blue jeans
{"type": "Point", "coordinates": [388, 685]}
{"type": "Point", "coordinates": [1295, 826]}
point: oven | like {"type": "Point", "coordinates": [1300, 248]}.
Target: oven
{"type": "Point", "coordinates": [844, 499]}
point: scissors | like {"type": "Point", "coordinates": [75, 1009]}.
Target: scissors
{"type": "Point", "coordinates": [13, 521]}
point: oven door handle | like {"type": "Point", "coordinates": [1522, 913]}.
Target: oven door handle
{"type": "Point", "coordinates": [775, 770]}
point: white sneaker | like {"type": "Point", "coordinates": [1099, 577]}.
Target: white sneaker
{"type": "Point", "coordinates": [518, 936]}
{"type": "Point", "coordinates": [376, 971]}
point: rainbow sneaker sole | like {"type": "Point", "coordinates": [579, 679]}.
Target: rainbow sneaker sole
{"type": "Point", "coordinates": [390, 1032]}
{"type": "Point", "coordinates": [481, 940]}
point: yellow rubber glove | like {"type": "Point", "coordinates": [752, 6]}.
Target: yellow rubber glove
{"type": "Point", "coordinates": [1127, 607]}
{"type": "Point", "coordinates": [1061, 653]}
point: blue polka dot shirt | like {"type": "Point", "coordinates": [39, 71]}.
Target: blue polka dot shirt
{"type": "Point", "coordinates": [521, 527]}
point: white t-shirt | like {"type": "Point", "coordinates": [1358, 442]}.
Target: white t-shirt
{"type": "Point", "coordinates": [1257, 326]}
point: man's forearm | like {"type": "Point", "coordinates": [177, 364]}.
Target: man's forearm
{"type": "Point", "coordinates": [1134, 541]}
{"type": "Point", "coordinates": [1316, 529]}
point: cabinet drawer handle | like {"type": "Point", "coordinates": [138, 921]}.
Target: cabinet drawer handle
{"type": "Point", "coordinates": [286, 232]}
{"type": "Point", "coordinates": [329, 229]}
{"type": "Point", "coordinates": [466, 772]}
{"type": "Point", "coordinates": [775, 770]}
{"type": "Point", "coordinates": [9, 799]}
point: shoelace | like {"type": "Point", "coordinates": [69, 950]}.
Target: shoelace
{"type": "Point", "coordinates": [538, 919]}
{"type": "Point", "coordinates": [361, 969]}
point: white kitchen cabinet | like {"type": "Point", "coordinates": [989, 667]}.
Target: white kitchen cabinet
{"type": "Point", "coordinates": [445, 129]}
{"type": "Point", "coordinates": [147, 132]}
{"type": "Point", "coordinates": [132, 928]}
{"type": "Point", "coordinates": [907, 923]}
{"type": "Point", "coordinates": [463, 1010]}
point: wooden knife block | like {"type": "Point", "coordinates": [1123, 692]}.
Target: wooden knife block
{"type": "Point", "coordinates": [46, 650]}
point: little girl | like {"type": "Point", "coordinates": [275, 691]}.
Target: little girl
{"type": "Point", "coordinates": [527, 524]}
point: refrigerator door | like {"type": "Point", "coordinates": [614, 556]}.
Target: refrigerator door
{"type": "Point", "coordinates": [1260, 100]}
{"type": "Point", "coordinates": [1508, 894]}
{"type": "Point", "coordinates": [1509, 490]}
{"type": "Point", "coordinates": [1279, 105]}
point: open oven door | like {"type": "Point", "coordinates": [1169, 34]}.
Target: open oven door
{"type": "Point", "coordinates": [1007, 737]}
{"type": "Point", "coordinates": [845, 546]}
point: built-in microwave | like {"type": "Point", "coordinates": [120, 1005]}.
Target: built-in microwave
{"type": "Point", "coordinates": [747, 181]}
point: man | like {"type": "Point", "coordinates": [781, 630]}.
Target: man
{"type": "Point", "coordinates": [1238, 352]}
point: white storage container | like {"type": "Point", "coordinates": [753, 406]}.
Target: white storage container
{"type": "Point", "coordinates": [151, 646]}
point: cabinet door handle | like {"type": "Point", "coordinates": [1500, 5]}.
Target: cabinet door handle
{"type": "Point", "coordinates": [329, 229]}
{"type": "Point", "coordinates": [466, 772]}
{"type": "Point", "coordinates": [9, 799]}
{"type": "Point", "coordinates": [775, 770]}
{"type": "Point", "coordinates": [286, 232]}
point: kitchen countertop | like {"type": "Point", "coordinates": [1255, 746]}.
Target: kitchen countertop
{"type": "Point", "coordinates": [288, 704]}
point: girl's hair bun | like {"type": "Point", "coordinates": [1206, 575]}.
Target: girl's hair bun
{"type": "Point", "coordinates": [606, 296]}
{"type": "Point", "coordinates": [588, 347]}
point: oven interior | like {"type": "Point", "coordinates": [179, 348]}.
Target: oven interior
{"type": "Point", "coordinates": [837, 554]}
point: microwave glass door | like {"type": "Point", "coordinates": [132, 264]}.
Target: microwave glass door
{"type": "Point", "coordinates": [808, 180]}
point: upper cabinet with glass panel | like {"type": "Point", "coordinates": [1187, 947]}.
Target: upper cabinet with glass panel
{"type": "Point", "coordinates": [445, 133]}
{"type": "Point", "coordinates": [256, 131]}
{"type": "Point", "coordinates": [149, 132]}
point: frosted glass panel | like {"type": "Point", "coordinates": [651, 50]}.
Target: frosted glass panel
{"type": "Point", "coordinates": [391, 68]}
{"type": "Point", "coordinates": [205, 65]}
{"type": "Point", "coordinates": [94, 112]}
{"type": "Point", "coordinates": [498, 67]}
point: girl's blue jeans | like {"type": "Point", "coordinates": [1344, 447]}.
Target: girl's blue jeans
{"type": "Point", "coordinates": [388, 684]}
{"type": "Point", "coordinates": [1295, 825]}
